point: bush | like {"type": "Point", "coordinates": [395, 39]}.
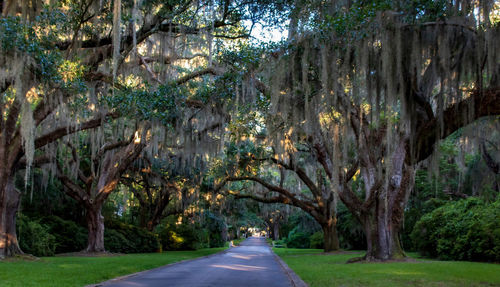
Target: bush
{"type": "Point", "coordinates": [350, 232]}
{"type": "Point", "coordinates": [183, 237]}
{"type": "Point", "coordinates": [126, 238]}
{"type": "Point", "coordinates": [69, 236]}
{"type": "Point", "coordinates": [34, 238]}
{"type": "Point", "coordinates": [317, 240]}
{"type": "Point", "coordinates": [115, 241]}
{"type": "Point", "coordinates": [298, 239]}
{"type": "Point", "coordinates": [468, 229]}
{"type": "Point", "coordinates": [216, 230]}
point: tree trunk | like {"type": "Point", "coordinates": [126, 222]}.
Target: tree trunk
{"type": "Point", "coordinates": [383, 209]}
{"type": "Point", "coordinates": [276, 230]}
{"type": "Point", "coordinates": [330, 237]}
{"type": "Point", "coordinates": [9, 205]}
{"type": "Point", "coordinates": [382, 236]}
{"type": "Point", "coordinates": [95, 225]}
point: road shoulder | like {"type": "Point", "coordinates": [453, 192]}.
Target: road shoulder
{"type": "Point", "coordinates": [294, 278]}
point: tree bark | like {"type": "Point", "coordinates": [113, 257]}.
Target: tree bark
{"type": "Point", "coordinates": [95, 226]}
{"type": "Point", "coordinates": [9, 204]}
{"type": "Point", "coordinates": [276, 230]}
{"type": "Point", "coordinates": [382, 236]}
{"type": "Point", "coordinates": [330, 236]}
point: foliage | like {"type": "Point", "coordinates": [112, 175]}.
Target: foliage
{"type": "Point", "coordinates": [34, 238]}
{"type": "Point", "coordinates": [69, 237]}
{"type": "Point", "coordinates": [298, 239]}
{"type": "Point", "coordinates": [349, 230]}
{"type": "Point", "coordinates": [304, 228]}
{"type": "Point", "coordinates": [38, 46]}
{"type": "Point", "coordinates": [468, 229]}
{"type": "Point", "coordinates": [126, 238]}
{"type": "Point", "coordinates": [317, 240]}
{"type": "Point", "coordinates": [166, 100]}
{"type": "Point", "coordinates": [215, 227]}
{"type": "Point", "coordinates": [182, 237]}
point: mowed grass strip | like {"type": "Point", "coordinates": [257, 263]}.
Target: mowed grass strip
{"type": "Point", "coordinates": [320, 269]}
{"type": "Point", "coordinates": [81, 271]}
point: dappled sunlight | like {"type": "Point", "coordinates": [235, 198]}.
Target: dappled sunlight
{"type": "Point", "coordinates": [239, 267]}
{"type": "Point", "coordinates": [247, 257]}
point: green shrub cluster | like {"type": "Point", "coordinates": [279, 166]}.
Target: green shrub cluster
{"type": "Point", "coordinates": [468, 229]}
{"type": "Point", "coordinates": [317, 240]}
{"type": "Point", "coordinates": [126, 238]}
{"type": "Point", "coordinates": [34, 237]}
{"type": "Point", "coordinates": [298, 239]}
{"type": "Point", "coordinates": [183, 237]}
{"type": "Point", "coordinates": [69, 236]}
{"type": "Point", "coordinates": [301, 239]}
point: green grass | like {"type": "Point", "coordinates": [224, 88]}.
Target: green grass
{"type": "Point", "coordinates": [81, 271]}
{"type": "Point", "coordinates": [318, 269]}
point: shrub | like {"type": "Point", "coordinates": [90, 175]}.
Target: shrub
{"type": "Point", "coordinates": [350, 232]}
{"type": "Point", "coordinates": [183, 237]}
{"type": "Point", "coordinates": [69, 236]}
{"type": "Point", "coordinates": [115, 241]}
{"type": "Point", "coordinates": [34, 237]}
{"type": "Point", "coordinates": [298, 239]}
{"type": "Point", "coordinates": [468, 229]}
{"type": "Point", "coordinates": [132, 240]}
{"type": "Point", "coordinates": [317, 240]}
{"type": "Point", "coordinates": [216, 230]}
{"type": "Point", "coordinates": [280, 243]}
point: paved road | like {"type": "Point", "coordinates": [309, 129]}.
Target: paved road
{"type": "Point", "coordinates": [250, 264]}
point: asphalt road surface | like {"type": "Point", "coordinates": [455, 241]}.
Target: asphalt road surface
{"type": "Point", "coordinates": [250, 264]}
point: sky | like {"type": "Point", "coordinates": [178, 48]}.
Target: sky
{"type": "Point", "coordinates": [268, 34]}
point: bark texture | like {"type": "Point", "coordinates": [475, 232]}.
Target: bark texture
{"type": "Point", "coordinates": [95, 227]}
{"type": "Point", "coordinates": [330, 236]}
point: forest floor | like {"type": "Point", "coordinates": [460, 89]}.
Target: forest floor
{"type": "Point", "coordinates": [84, 270]}
{"type": "Point", "coordinates": [329, 269]}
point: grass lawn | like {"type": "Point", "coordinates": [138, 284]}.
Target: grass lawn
{"type": "Point", "coordinates": [81, 271]}
{"type": "Point", "coordinates": [318, 269]}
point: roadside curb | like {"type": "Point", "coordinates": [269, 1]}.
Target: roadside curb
{"type": "Point", "coordinates": [114, 280]}
{"type": "Point", "coordinates": [294, 278]}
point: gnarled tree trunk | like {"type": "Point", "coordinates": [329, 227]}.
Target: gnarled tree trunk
{"type": "Point", "coordinates": [383, 209]}
{"type": "Point", "coordinates": [9, 204]}
{"type": "Point", "coordinates": [95, 226]}
{"type": "Point", "coordinates": [330, 236]}
{"type": "Point", "coordinates": [382, 236]}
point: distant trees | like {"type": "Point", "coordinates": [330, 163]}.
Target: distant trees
{"type": "Point", "coordinates": [320, 203]}
{"type": "Point", "coordinates": [162, 188]}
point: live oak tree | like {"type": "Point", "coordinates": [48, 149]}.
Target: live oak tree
{"type": "Point", "coordinates": [36, 83]}
{"type": "Point", "coordinates": [396, 79]}
{"type": "Point", "coordinates": [93, 184]}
